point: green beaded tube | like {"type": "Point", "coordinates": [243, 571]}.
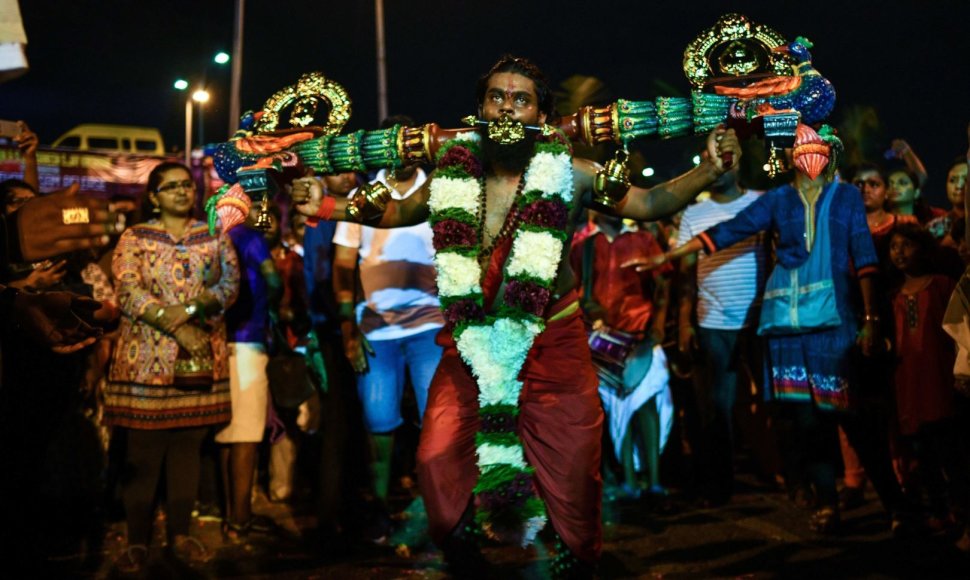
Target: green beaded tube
{"type": "Point", "coordinates": [635, 119]}
{"type": "Point", "coordinates": [710, 110]}
{"type": "Point", "coordinates": [358, 151]}
{"type": "Point", "coordinates": [314, 154]}
{"type": "Point", "coordinates": [345, 152]}
{"type": "Point", "coordinates": [380, 148]}
{"type": "Point", "coordinates": [674, 116]}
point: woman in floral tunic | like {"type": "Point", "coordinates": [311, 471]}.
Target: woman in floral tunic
{"type": "Point", "coordinates": [169, 377]}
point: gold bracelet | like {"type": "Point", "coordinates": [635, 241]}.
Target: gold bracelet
{"type": "Point", "coordinates": [369, 203]}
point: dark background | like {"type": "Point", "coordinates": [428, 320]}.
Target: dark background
{"type": "Point", "coordinates": [115, 61]}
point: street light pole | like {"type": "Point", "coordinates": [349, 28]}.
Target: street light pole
{"type": "Point", "coordinates": [381, 63]}
{"type": "Point", "coordinates": [200, 96]}
{"type": "Point", "coordinates": [188, 130]}
{"type": "Point", "coordinates": [236, 82]}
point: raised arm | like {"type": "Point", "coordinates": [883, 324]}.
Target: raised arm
{"type": "Point", "coordinates": [310, 200]}
{"type": "Point", "coordinates": [27, 143]}
{"type": "Point", "coordinates": [671, 196]}
{"type": "Point", "coordinates": [903, 151]}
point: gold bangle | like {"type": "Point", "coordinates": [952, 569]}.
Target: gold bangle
{"type": "Point", "coordinates": [369, 202]}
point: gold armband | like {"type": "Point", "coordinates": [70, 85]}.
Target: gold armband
{"type": "Point", "coordinates": [369, 203]}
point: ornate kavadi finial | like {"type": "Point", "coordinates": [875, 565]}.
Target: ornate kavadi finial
{"type": "Point", "coordinates": [734, 47]}
{"type": "Point", "coordinates": [305, 97]}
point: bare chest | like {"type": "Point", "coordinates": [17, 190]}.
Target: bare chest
{"type": "Point", "coordinates": [500, 194]}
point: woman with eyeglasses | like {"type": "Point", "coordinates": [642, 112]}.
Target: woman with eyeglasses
{"type": "Point", "coordinates": [168, 381]}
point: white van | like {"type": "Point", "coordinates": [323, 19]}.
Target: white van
{"type": "Point", "coordinates": [117, 138]}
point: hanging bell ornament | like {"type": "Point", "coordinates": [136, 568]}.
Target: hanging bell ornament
{"type": "Point", "coordinates": [611, 184]}
{"type": "Point", "coordinates": [263, 221]}
{"type": "Point", "coordinates": [776, 163]}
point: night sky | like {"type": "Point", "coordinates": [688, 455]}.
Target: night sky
{"type": "Point", "coordinates": [115, 61]}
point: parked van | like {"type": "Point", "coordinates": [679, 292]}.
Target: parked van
{"type": "Point", "coordinates": [117, 138]}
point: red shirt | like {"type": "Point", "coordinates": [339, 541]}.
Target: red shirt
{"type": "Point", "coordinates": [625, 294]}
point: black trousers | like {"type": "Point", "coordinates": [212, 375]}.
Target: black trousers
{"type": "Point", "coordinates": [178, 450]}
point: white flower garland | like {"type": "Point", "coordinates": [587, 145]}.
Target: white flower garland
{"type": "Point", "coordinates": [496, 352]}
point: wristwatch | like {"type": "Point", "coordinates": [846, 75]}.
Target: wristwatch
{"type": "Point", "coordinates": [191, 309]}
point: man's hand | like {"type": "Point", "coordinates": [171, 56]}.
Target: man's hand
{"type": "Point", "coordinates": [27, 140]}
{"type": "Point", "coordinates": [43, 232]}
{"type": "Point", "coordinates": [354, 345]}
{"type": "Point", "coordinates": [307, 194]}
{"type": "Point", "coordinates": [58, 320]}
{"type": "Point", "coordinates": [646, 264]}
{"type": "Point", "coordinates": [195, 340]}
{"type": "Point", "coordinates": [44, 278]}
{"type": "Point", "coordinates": [868, 338]}
{"type": "Point", "coordinates": [723, 148]}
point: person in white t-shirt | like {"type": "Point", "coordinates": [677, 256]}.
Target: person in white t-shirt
{"type": "Point", "coordinates": [393, 326]}
{"type": "Point", "coordinates": [724, 289]}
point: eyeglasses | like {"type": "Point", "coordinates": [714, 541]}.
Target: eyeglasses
{"type": "Point", "coordinates": [16, 202]}
{"type": "Point", "coordinates": [860, 183]}
{"type": "Point", "coordinates": [170, 187]}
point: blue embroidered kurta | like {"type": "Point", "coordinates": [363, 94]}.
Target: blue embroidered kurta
{"type": "Point", "coordinates": [815, 366]}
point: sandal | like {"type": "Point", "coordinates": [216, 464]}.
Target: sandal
{"type": "Point", "coordinates": [133, 561]}
{"type": "Point", "coordinates": [825, 520]}
{"type": "Point", "coordinates": [236, 533]}
{"type": "Point", "coordinates": [190, 550]}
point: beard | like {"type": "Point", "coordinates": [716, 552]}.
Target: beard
{"type": "Point", "coordinates": [514, 157]}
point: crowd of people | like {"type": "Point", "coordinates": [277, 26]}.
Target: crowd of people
{"type": "Point", "coordinates": [667, 310]}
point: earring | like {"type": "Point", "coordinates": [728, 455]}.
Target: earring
{"type": "Point", "coordinates": [155, 210]}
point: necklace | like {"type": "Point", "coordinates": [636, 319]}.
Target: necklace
{"type": "Point", "coordinates": [495, 346]}
{"type": "Point", "coordinates": [508, 225]}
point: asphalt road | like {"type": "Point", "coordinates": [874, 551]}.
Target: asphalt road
{"type": "Point", "coordinates": [759, 534]}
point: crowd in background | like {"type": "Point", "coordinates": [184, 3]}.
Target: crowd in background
{"type": "Point", "coordinates": [176, 408]}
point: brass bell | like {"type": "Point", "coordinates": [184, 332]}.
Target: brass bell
{"type": "Point", "coordinates": [776, 163]}
{"type": "Point", "coordinates": [611, 184]}
{"type": "Point", "coordinates": [263, 221]}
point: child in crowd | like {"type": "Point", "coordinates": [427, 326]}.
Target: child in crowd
{"type": "Point", "coordinates": [933, 455]}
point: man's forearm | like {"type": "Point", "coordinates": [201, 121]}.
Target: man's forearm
{"type": "Point", "coordinates": [669, 197]}
{"type": "Point", "coordinates": [343, 288]}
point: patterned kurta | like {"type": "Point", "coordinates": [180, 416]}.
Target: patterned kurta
{"type": "Point", "coordinates": [814, 366]}
{"type": "Point", "coordinates": [154, 269]}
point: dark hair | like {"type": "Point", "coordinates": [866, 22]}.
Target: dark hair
{"type": "Point", "coordinates": [868, 166]}
{"type": "Point", "coordinates": [524, 67]}
{"type": "Point", "coordinates": [909, 173]}
{"type": "Point", "coordinates": [959, 160]}
{"type": "Point", "coordinates": [155, 177]}
{"type": "Point", "coordinates": [8, 185]}
{"type": "Point", "coordinates": [926, 244]}
{"type": "Point", "coordinates": [397, 120]}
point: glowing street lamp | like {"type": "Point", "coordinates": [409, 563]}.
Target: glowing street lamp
{"type": "Point", "coordinates": [200, 96]}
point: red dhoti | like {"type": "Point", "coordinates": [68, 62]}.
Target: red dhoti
{"type": "Point", "coordinates": [560, 424]}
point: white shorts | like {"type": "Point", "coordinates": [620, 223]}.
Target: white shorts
{"type": "Point", "coordinates": [249, 388]}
